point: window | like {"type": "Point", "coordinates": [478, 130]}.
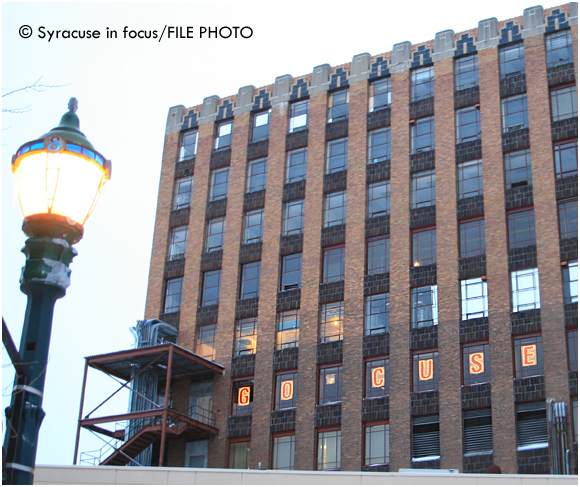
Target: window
{"type": "Point", "coordinates": [210, 291]}
{"type": "Point", "coordinates": [379, 199]}
{"type": "Point", "coordinates": [243, 397]}
{"type": "Point", "coordinates": [288, 329]}
{"type": "Point", "coordinates": [423, 189]}
{"type": "Point", "coordinates": [285, 391]}
{"type": "Point", "coordinates": [518, 169]}
{"type": "Point", "coordinates": [528, 357]}
{"type": "Point", "coordinates": [514, 113]}
{"type": "Point", "coordinates": [330, 387]}
{"type": "Point", "coordinates": [178, 242]}
{"type": "Point", "coordinates": [378, 255]}
{"type": "Point", "coordinates": [572, 337]}
{"type": "Point", "coordinates": [246, 336]}
{"type": "Point", "coordinates": [425, 438]}
{"type": "Point", "coordinates": [338, 105]}
{"type": "Point", "coordinates": [471, 238]}
{"type": "Point", "coordinates": [328, 457]}
{"type": "Point", "coordinates": [574, 408]}
{"type": "Point", "coordinates": [335, 208]}
{"type": "Point", "coordinates": [376, 314]}
{"type": "Point", "coordinates": [173, 290]}
{"type": "Point", "coordinates": [293, 217]}
{"type": "Point", "coordinates": [182, 195]}
{"type": "Point", "coordinates": [570, 278]}
{"type": "Point", "coordinates": [206, 341]}
{"type": "Point", "coordinates": [476, 364]}
{"type": "Point", "coordinates": [223, 139]}
{"type": "Point", "coordinates": [240, 455]}
{"type": "Point", "coordinates": [422, 85]}
{"type": "Point", "coordinates": [188, 147]}
{"type": "Point", "coordinates": [477, 433]}
{"type": "Point", "coordinates": [511, 60]}
{"type": "Point", "coordinates": [564, 103]}
{"type": "Point", "coordinates": [468, 124]}
{"type": "Point", "coordinates": [473, 298]}
{"type": "Point", "coordinates": [566, 159]}
{"type": "Point", "coordinates": [423, 135]}
{"type": "Point", "coordinates": [425, 371]}
{"type": "Point", "coordinates": [214, 234]}
{"type": "Point", "coordinates": [253, 226]}
{"type": "Point", "coordinates": [522, 229]}
{"type": "Point", "coordinates": [379, 145]}
{"type": "Point", "coordinates": [296, 165]}
{"type": "Point", "coordinates": [377, 444]}
{"type": "Point", "coordinates": [377, 378]}
{"type": "Point", "coordinates": [333, 265]}
{"type": "Point", "coordinates": [469, 179]}
{"type": "Point", "coordinates": [380, 96]}
{"type": "Point", "coordinates": [525, 289]}
{"type": "Point", "coordinates": [331, 319]}
{"type": "Point", "coordinates": [559, 49]}
{"type": "Point", "coordinates": [424, 308]}
{"type": "Point", "coordinates": [299, 115]}
{"type": "Point", "coordinates": [257, 171]}
{"type": "Point", "coordinates": [283, 456]}
{"type": "Point", "coordinates": [336, 156]}
{"type": "Point", "coordinates": [531, 425]}
{"type": "Point", "coordinates": [291, 277]}
{"type": "Point", "coordinates": [261, 126]}
{"type": "Point", "coordinates": [424, 247]}
{"type": "Point", "coordinates": [220, 179]}
{"type": "Point", "coordinates": [250, 286]}
{"type": "Point", "coordinates": [466, 72]}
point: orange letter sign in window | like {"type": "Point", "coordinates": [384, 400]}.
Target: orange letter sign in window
{"type": "Point", "coordinates": [287, 390]}
{"type": "Point", "coordinates": [244, 396]}
{"type": "Point", "coordinates": [529, 355]}
{"type": "Point", "coordinates": [426, 369]}
{"type": "Point", "coordinates": [378, 377]}
{"type": "Point", "coordinates": [476, 363]}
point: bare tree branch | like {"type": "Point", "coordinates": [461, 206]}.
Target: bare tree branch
{"type": "Point", "coordinates": [37, 87]}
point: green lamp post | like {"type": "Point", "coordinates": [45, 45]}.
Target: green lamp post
{"type": "Point", "coordinates": [59, 179]}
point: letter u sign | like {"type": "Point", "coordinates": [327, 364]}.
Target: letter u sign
{"type": "Point", "coordinates": [426, 369]}
{"type": "Point", "coordinates": [244, 396]}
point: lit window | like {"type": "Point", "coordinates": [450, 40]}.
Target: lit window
{"type": "Point", "coordinates": [377, 378]}
{"type": "Point", "coordinates": [223, 139]}
{"type": "Point", "coordinates": [377, 444]}
{"type": "Point", "coordinates": [522, 229]}
{"type": "Point", "coordinates": [173, 289]}
{"type": "Point", "coordinates": [566, 159]}
{"type": "Point", "coordinates": [250, 285]}
{"type": "Point", "coordinates": [514, 113]}
{"type": "Point", "coordinates": [210, 292]}
{"type": "Point", "coordinates": [288, 329]}
{"type": "Point", "coordinates": [283, 456]}
{"type": "Point", "coordinates": [559, 50]}
{"type": "Point", "coordinates": [333, 265]}
{"type": "Point", "coordinates": [423, 135]}
{"type": "Point", "coordinates": [328, 450]}
{"type": "Point", "coordinates": [564, 103]}
{"type": "Point", "coordinates": [246, 336]}
{"type": "Point", "coordinates": [220, 179]}
{"type": "Point", "coordinates": [468, 124]}
{"type": "Point", "coordinates": [525, 289]}
{"type": "Point", "coordinates": [423, 189]}
{"type": "Point", "coordinates": [239, 455]}
{"type": "Point", "coordinates": [182, 195]}
{"type": "Point", "coordinates": [261, 126]}
{"type": "Point", "coordinates": [286, 390]}
{"type": "Point", "coordinates": [570, 278]}
{"type": "Point", "coordinates": [422, 83]}
{"type": "Point", "coordinates": [380, 96]}
{"type": "Point", "coordinates": [291, 275]}
{"type": "Point", "coordinates": [466, 72]}
{"type": "Point", "coordinates": [378, 255]}
{"type": "Point", "coordinates": [178, 243]}
{"type": "Point", "coordinates": [424, 307]}
{"type": "Point", "coordinates": [379, 145]}
{"type": "Point", "coordinates": [376, 314]}
{"type": "Point", "coordinates": [337, 156]}
{"type": "Point", "coordinates": [335, 208]}
{"type": "Point", "coordinates": [518, 169]}
{"type": "Point", "coordinates": [472, 238]}
{"type": "Point", "coordinates": [476, 364]}
{"type": "Point", "coordinates": [242, 397]}
{"type": "Point", "coordinates": [473, 298]}
{"type": "Point", "coordinates": [572, 337]}
{"type": "Point", "coordinates": [257, 171]}
{"type": "Point", "coordinates": [188, 147]}
{"type": "Point", "coordinates": [425, 438]}
{"type": "Point", "coordinates": [215, 231]}
{"type": "Point", "coordinates": [330, 385]}
{"type": "Point", "coordinates": [299, 116]}
{"type": "Point", "coordinates": [425, 371]}
{"type": "Point", "coordinates": [511, 60]}
{"type": "Point", "coordinates": [531, 425]}
{"type": "Point", "coordinates": [477, 433]}
{"type": "Point", "coordinates": [338, 105]}
{"type": "Point", "coordinates": [424, 245]}
{"type": "Point", "coordinates": [296, 165]}
{"type": "Point", "coordinates": [293, 217]}
{"type": "Point", "coordinates": [528, 357]}
{"type": "Point", "coordinates": [253, 226]}
{"type": "Point", "coordinates": [206, 341]}
{"type": "Point", "coordinates": [379, 199]}
{"type": "Point", "coordinates": [331, 319]}
{"type": "Point", "coordinates": [469, 179]}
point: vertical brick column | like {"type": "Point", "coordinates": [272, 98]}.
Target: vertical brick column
{"type": "Point", "coordinates": [400, 359]}
{"type": "Point", "coordinates": [498, 277]}
{"type": "Point", "coordinates": [447, 269]}
{"type": "Point", "coordinates": [308, 376]}
{"type": "Point", "coordinates": [263, 371]}
{"type": "Point", "coordinates": [352, 386]}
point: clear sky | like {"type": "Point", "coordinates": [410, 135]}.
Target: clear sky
{"type": "Point", "coordinates": [125, 87]}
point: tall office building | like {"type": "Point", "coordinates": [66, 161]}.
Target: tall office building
{"type": "Point", "coordinates": [382, 257]}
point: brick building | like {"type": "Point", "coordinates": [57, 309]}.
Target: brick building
{"type": "Point", "coordinates": [383, 257]}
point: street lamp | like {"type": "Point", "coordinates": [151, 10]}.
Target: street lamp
{"type": "Point", "coordinates": [59, 179]}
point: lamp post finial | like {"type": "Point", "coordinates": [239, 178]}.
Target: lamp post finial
{"type": "Point", "coordinates": [73, 104]}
